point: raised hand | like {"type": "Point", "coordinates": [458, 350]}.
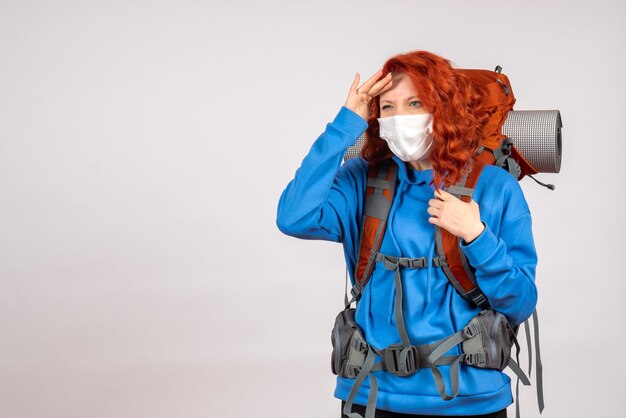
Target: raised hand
{"type": "Point", "coordinates": [359, 98]}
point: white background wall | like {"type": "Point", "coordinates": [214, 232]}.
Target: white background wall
{"type": "Point", "coordinates": [143, 148]}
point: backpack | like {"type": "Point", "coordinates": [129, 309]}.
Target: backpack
{"type": "Point", "coordinates": [495, 148]}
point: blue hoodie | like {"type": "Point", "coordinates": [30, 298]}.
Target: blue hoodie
{"type": "Point", "coordinates": [325, 201]}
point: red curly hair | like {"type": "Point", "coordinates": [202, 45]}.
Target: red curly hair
{"type": "Point", "coordinates": [454, 102]}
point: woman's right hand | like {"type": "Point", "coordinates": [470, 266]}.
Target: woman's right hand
{"type": "Point", "coordinates": [359, 98]}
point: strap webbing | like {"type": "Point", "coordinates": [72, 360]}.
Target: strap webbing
{"type": "Point", "coordinates": [346, 302]}
{"type": "Point", "coordinates": [539, 366]}
{"type": "Point", "coordinates": [371, 400]}
{"type": "Point", "coordinates": [528, 347]}
{"type": "Point", "coordinates": [515, 367]}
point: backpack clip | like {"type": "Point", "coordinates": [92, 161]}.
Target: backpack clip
{"type": "Point", "coordinates": [471, 330]}
{"type": "Point", "coordinates": [392, 356]}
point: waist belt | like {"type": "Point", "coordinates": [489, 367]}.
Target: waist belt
{"type": "Point", "coordinates": [404, 359]}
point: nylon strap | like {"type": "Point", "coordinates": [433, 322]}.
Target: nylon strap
{"type": "Point", "coordinates": [454, 379]}
{"type": "Point", "coordinates": [514, 366]}
{"type": "Point", "coordinates": [528, 347]}
{"type": "Point", "coordinates": [371, 399]}
{"type": "Point", "coordinates": [460, 191]}
{"type": "Point", "coordinates": [539, 366]}
{"type": "Point", "coordinates": [346, 303]}
{"type": "Point", "coordinates": [468, 331]}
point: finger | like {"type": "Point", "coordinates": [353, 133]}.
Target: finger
{"type": "Point", "coordinates": [381, 86]}
{"type": "Point", "coordinates": [386, 88]}
{"type": "Point", "coordinates": [355, 83]}
{"type": "Point", "coordinates": [444, 195]}
{"type": "Point", "coordinates": [439, 194]}
{"type": "Point", "coordinates": [435, 203]}
{"type": "Point", "coordinates": [434, 211]}
{"type": "Point", "coordinates": [434, 221]}
{"type": "Point", "coordinates": [368, 84]}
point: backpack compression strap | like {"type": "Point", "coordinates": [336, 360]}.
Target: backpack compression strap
{"type": "Point", "coordinates": [381, 184]}
{"type": "Point", "coordinates": [455, 264]}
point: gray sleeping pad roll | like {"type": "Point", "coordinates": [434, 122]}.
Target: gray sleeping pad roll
{"type": "Point", "coordinates": [535, 133]}
{"type": "Point", "coordinates": [537, 136]}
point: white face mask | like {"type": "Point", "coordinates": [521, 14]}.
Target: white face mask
{"type": "Point", "coordinates": [408, 136]}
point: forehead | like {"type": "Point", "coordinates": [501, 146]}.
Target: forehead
{"type": "Point", "coordinates": [402, 88]}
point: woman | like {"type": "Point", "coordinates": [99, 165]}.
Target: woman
{"type": "Point", "coordinates": [423, 115]}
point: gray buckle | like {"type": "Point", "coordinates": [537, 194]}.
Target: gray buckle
{"type": "Point", "coordinates": [351, 372]}
{"type": "Point", "coordinates": [417, 263]}
{"type": "Point", "coordinates": [392, 356]}
{"type": "Point", "coordinates": [471, 330]}
{"type": "Point", "coordinates": [355, 291]}
{"type": "Point", "coordinates": [473, 359]}
{"type": "Point", "coordinates": [440, 261]}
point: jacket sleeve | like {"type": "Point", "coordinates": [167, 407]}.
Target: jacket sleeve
{"type": "Point", "coordinates": [321, 200]}
{"type": "Point", "coordinates": [505, 263]}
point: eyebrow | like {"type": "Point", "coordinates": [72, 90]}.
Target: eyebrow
{"type": "Point", "coordinates": [407, 99]}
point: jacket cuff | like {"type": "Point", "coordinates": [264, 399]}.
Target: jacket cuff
{"type": "Point", "coordinates": [479, 250]}
{"type": "Point", "coordinates": [348, 121]}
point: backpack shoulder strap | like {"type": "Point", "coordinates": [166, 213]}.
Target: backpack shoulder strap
{"type": "Point", "coordinates": [454, 262]}
{"type": "Point", "coordinates": [379, 194]}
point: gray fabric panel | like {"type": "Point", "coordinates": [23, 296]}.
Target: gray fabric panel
{"type": "Point", "coordinates": [377, 206]}
{"type": "Point", "coordinates": [378, 183]}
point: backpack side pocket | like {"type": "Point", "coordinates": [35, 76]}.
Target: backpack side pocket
{"type": "Point", "coordinates": [349, 346]}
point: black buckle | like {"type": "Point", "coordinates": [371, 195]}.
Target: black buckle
{"type": "Point", "coordinates": [392, 363]}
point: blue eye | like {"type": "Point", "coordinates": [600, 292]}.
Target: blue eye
{"type": "Point", "coordinates": [385, 107]}
{"type": "Point", "coordinates": [418, 103]}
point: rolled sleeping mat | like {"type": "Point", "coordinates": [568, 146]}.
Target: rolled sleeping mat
{"type": "Point", "coordinates": [536, 134]}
